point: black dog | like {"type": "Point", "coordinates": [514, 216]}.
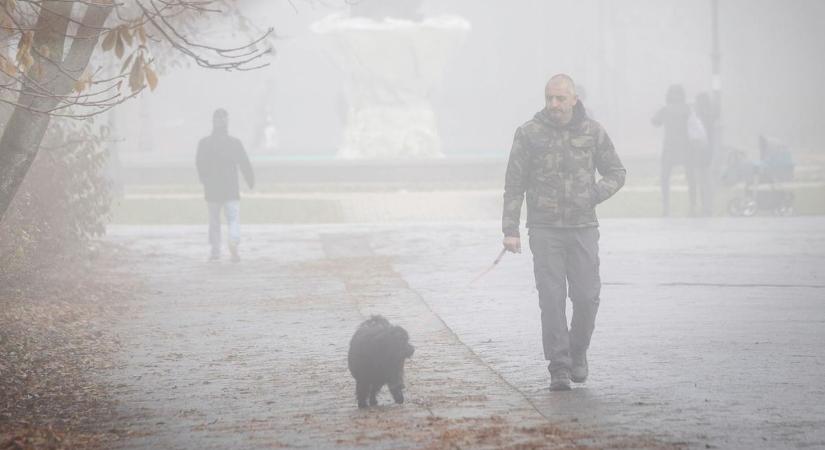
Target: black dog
{"type": "Point", "coordinates": [376, 357]}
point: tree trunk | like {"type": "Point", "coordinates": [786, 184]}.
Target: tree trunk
{"type": "Point", "coordinates": [28, 123]}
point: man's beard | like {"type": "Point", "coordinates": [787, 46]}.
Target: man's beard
{"type": "Point", "coordinates": [559, 116]}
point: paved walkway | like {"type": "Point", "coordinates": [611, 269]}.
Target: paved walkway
{"type": "Point", "coordinates": [710, 333]}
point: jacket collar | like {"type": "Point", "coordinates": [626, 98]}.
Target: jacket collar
{"type": "Point", "coordinates": [579, 115]}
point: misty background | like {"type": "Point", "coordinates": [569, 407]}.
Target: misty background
{"type": "Point", "coordinates": [117, 319]}
{"type": "Point", "coordinates": [623, 54]}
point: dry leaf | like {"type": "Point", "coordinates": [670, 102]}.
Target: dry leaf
{"type": "Point", "coordinates": [137, 75]}
{"type": "Point", "coordinates": [79, 86]}
{"type": "Point", "coordinates": [109, 41]}
{"type": "Point", "coordinates": [84, 82]}
{"type": "Point", "coordinates": [126, 35]}
{"type": "Point", "coordinates": [24, 56]}
{"type": "Point", "coordinates": [24, 46]}
{"type": "Point", "coordinates": [126, 63]}
{"type": "Point", "coordinates": [119, 47]}
{"type": "Point", "coordinates": [151, 77]}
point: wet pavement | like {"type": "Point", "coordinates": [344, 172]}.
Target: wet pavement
{"type": "Point", "coordinates": [710, 335]}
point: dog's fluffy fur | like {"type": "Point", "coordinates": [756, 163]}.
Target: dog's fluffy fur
{"type": "Point", "coordinates": [376, 357]}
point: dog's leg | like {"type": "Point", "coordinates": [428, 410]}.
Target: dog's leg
{"type": "Point", "coordinates": [374, 393]}
{"type": "Point", "coordinates": [397, 392]}
{"type": "Point", "coordinates": [361, 392]}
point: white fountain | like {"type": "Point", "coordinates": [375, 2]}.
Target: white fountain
{"type": "Point", "coordinates": [391, 66]}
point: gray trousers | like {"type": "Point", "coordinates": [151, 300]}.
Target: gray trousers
{"type": "Point", "coordinates": [566, 260]}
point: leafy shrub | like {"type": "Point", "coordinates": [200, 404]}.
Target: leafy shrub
{"type": "Point", "coordinates": [63, 202]}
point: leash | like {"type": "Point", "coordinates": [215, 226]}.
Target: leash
{"type": "Point", "coordinates": [492, 266]}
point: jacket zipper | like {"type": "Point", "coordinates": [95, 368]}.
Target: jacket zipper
{"type": "Point", "coordinates": [565, 163]}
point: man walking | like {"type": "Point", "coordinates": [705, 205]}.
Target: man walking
{"type": "Point", "coordinates": [553, 160]}
{"type": "Point", "coordinates": [218, 159]}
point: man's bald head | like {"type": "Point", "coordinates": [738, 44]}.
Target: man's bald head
{"type": "Point", "coordinates": [560, 98]}
{"type": "Point", "coordinates": [562, 80]}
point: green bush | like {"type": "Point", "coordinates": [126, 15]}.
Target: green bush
{"type": "Point", "coordinates": [63, 202]}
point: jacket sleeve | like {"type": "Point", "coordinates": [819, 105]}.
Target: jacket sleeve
{"type": "Point", "coordinates": [245, 166]}
{"type": "Point", "coordinates": [610, 169]}
{"type": "Point", "coordinates": [200, 163]}
{"type": "Point", "coordinates": [515, 183]}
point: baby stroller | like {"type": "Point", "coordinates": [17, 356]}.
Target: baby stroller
{"type": "Point", "coordinates": [762, 180]}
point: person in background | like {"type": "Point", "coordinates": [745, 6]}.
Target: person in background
{"type": "Point", "coordinates": [676, 143]}
{"type": "Point", "coordinates": [219, 157]}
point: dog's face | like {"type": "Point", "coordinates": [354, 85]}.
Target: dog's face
{"type": "Point", "coordinates": [402, 342]}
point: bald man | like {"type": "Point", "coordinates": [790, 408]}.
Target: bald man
{"type": "Point", "coordinates": [554, 160]}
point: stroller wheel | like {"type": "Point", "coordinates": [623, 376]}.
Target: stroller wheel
{"type": "Point", "coordinates": [749, 207]}
{"type": "Point", "coordinates": [742, 207]}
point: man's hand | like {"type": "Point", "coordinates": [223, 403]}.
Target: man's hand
{"type": "Point", "coordinates": [512, 244]}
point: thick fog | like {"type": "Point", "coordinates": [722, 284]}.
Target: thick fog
{"type": "Point", "coordinates": [245, 259]}
{"type": "Point", "coordinates": [623, 56]}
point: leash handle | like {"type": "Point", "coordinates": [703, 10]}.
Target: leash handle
{"type": "Point", "coordinates": [500, 255]}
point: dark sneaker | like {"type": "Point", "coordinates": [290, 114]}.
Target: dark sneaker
{"type": "Point", "coordinates": [578, 372]}
{"type": "Point", "coordinates": [233, 249]}
{"type": "Point", "coordinates": [560, 380]}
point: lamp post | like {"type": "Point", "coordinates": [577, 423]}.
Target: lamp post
{"type": "Point", "coordinates": [716, 63]}
{"type": "Point", "coordinates": [716, 105]}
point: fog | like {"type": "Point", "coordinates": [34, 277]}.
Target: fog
{"type": "Point", "coordinates": [215, 304]}
{"type": "Point", "coordinates": [623, 55]}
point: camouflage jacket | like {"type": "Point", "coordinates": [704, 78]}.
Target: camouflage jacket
{"type": "Point", "coordinates": [555, 166]}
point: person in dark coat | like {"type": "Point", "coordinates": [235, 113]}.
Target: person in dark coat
{"type": "Point", "coordinates": [218, 159]}
{"type": "Point", "coordinates": [676, 147]}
